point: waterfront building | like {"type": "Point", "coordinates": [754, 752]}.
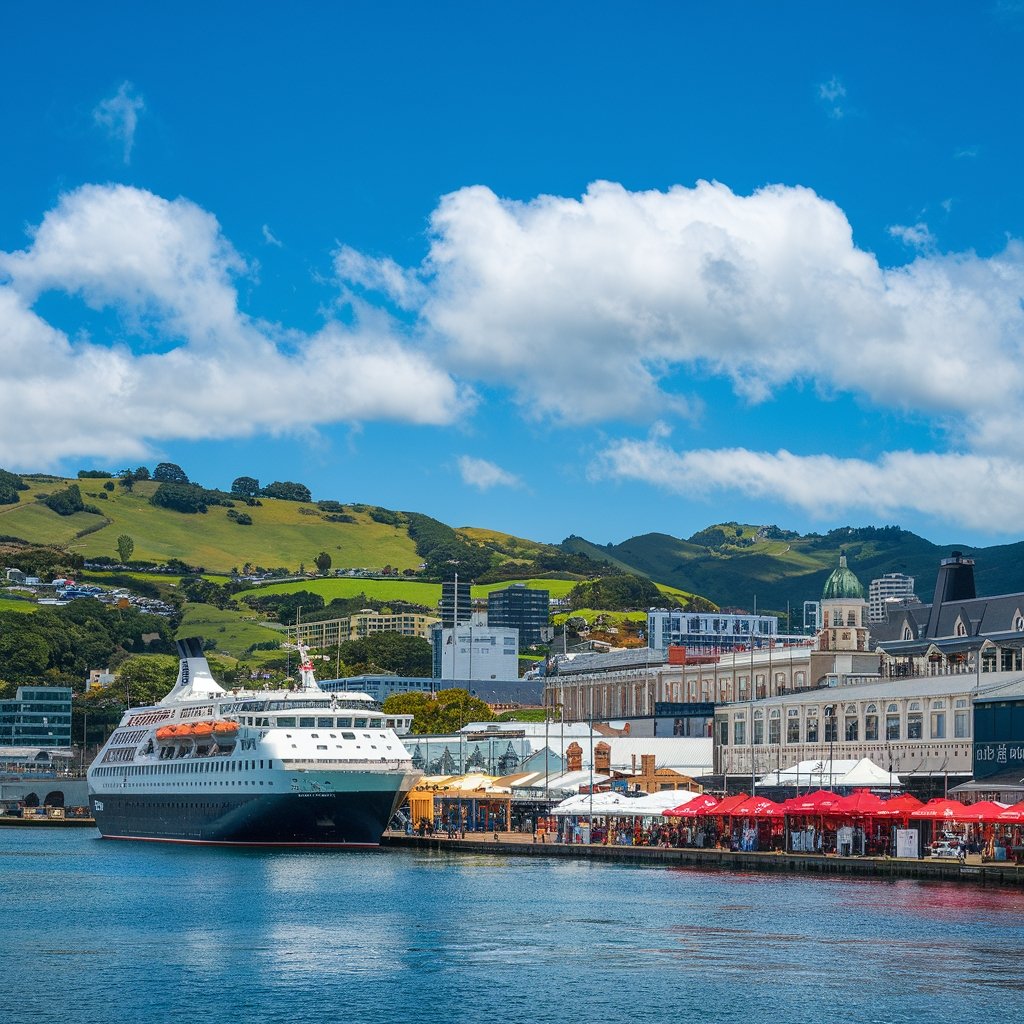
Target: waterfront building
{"type": "Point", "coordinates": [998, 745]}
{"type": "Point", "coordinates": [474, 650]}
{"type": "Point", "coordinates": [921, 730]}
{"type": "Point", "coordinates": [522, 608]}
{"type": "Point", "coordinates": [501, 748]}
{"type": "Point", "coordinates": [37, 718]}
{"type": "Point", "coordinates": [380, 686]}
{"type": "Point", "coordinates": [957, 633]}
{"type": "Point", "coordinates": [895, 587]}
{"type": "Point", "coordinates": [456, 603]}
{"type": "Point", "coordinates": [708, 631]}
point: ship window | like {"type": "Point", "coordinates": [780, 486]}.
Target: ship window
{"type": "Point", "coordinates": [315, 735]}
{"type": "Point", "coordinates": [344, 723]}
{"type": "Point", "coordinates": [325, 723]}
{"type": "Point", "coordinates": [360, 723]}
{"type": "Point", "coordinates": [307, 723]}
{"type": "Point", "coordinates": [286, 722]}
{"type": "Point", "coordinates": [321, 746]}
{"type": "Point", "coordinates": [348, 735]}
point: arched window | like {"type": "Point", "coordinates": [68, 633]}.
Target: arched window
{"type": "Point", "coordinates": [793, 725]}
{"type": "Point", "coordinates": [758, 727]}
{"type": "Point", "coordinates": [871, 722]}
{"type": "Point", "coordinates": [812, 725]}
{"type": "Point", "coordinates": [851, 724]}
{"type": "Point", "coordinates": [892, 722]}
{"type": "Point", "coordinates": [961, 629]}
{"type": "Point", "coordinates": [908, 633]}
{"type": "Point", "coordinates": [774, 726]}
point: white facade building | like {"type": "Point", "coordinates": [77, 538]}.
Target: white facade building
{"type": "Point", "coordinates": [893, 586]}
{"type": "Point", "coordinates": [474, 650]}
{"type": "Point", "coordinates": [708, 630]}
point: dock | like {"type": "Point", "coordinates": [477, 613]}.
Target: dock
{"type": "Point", "coordinates": [42, 821]}
{"type": "Point", "coordinates": [517, 844]}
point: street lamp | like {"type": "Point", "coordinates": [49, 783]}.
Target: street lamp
{"type": "Point", "coordinates": [830, 725]}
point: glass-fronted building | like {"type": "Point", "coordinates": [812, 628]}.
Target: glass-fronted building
{"type": "Point", "coordinates": [520, 607]}
{"type": "Point", "coordinates": [39, 716]}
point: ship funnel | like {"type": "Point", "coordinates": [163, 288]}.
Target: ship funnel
{"type": "Point", "coordinates": [194, 678]}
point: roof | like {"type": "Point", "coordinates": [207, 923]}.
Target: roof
{"type": "Point", "coordinates": [1011, 781]}
{"type": "Point", "coordinates": [829, 774]}
{"type": "Point", "coordinates": [842, 584]}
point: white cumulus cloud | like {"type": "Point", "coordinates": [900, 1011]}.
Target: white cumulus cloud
{"type": "Point", "coordinates": [484, 475]}
{"type": "Point", "coordinates": [944, 487]}
{"type": "Point", "coordinates": [204, 369]}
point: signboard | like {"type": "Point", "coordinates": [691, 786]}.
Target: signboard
{"type": "Point", "coordinates": [666, 709]}
{"type": "Point", "coordinates": [908, 843]}
{"type": "Point", "coordinates": [993, 758]}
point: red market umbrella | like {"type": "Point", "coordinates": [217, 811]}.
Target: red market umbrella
{"type": "Point", "coordinates": [821, 801]}
{"type": "Point", "coordinates": [1012, 815]}
{"type": "Point", "coordinates": [725, 808]}
{"type": "Point", "coordinates": [757, 807]}
{"type": "Point", "coordinates": [699, 805]}
{"type": "Point", "coordinates": [986, 811]}
{"type": "Point", "coordinates": [940, 810]}
{"type": "Point", "coordinates": [898, 807]}
{"type": "Point", "coordinates": [862, 804]}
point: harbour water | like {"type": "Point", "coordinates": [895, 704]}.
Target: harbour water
{"type": "Point", "coordinates": [99, 931]}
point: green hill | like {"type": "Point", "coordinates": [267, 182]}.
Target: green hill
{"type": "Point", "coordinates": [283, 533]}
{"type": "Point", "coordinates": [734, 564]}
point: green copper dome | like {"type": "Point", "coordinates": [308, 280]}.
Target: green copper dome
{"type": "Point", "coordinates": [842, 584]}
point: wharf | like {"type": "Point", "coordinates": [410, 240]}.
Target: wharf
{"type": "Point", "coordinates": [974, 872]}
{"type": "Point", "coordinates": [40, 821]}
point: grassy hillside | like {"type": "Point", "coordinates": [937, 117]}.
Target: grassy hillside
{"type": "Point", "coordinates": [283, 533]}
{"type": "Point", "coordinates": [734, 563]}
{"type": "Point", "coordinates": [234, 633]}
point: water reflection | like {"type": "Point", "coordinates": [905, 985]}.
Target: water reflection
{"type": "Point", "coordinates": [304, 938]}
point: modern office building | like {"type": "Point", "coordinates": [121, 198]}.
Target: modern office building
{"type": "Point", "coordinates": [456, 603]}
{"type": "Point", "coordinates": [704, 631]}
{"type": "Point", "coordinates": [893, 587]}
{"type": "Point", "coordinates": [37, 717]}
{"type": "Point", "coordinates": [331, 632]}
{"type": "Point", "coordinates": [520, 607]}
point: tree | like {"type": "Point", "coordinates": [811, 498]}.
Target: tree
{"type": "Point", "coordinates": [128, 482]}
{"type": "Point", "coordinates": [147, 678]}
{"type": "Point", "coordinates": [287, 490]}
{"type": "Point", "coordinates": [445, 712]}
{"type": "Point", "coordinates": [9, 487]}
{"type": "Point", "coordinates": [169, 473]}
{"type": "Point", "coordinates": [323, 563]}
{"type": "Point", "coordinates": [66, 502]}
{"type": "Point", "coordinates": [245, 487]}
{"type": "Point", "coordinates": [125, 547]}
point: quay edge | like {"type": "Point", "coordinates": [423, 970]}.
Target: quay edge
{"type": "Point", "coordinates": [987, 875]}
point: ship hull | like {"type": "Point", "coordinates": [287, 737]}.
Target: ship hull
{"type": "Point", "coordinates": [286, 819]}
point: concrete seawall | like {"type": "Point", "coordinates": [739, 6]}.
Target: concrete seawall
{"type": "Point", "coordinates": [516, 845]}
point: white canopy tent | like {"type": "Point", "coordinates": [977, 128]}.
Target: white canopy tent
{"type": "Point", "coordinates": [832, 775]}
{"type": "Point", "coordinates": [617, 805]}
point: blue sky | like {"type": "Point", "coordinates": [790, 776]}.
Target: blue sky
{"type": "Point", "coordinates": [544, 268]}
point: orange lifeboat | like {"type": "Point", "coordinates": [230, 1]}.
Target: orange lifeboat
{"type": "Point", "coordinates": [183, 731]}
{"type": "Point", "coordinates": [166, 732]}
{"type": "Point", "coordinates": [202, 730]}
{"type": "Point", "coordinates": [225, 730]}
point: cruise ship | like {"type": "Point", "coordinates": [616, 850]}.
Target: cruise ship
{"type": "Point", "coordinates": [297, 767]}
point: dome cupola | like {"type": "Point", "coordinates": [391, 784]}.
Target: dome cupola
{"type": "Point", "coordinates": [842, 584]}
